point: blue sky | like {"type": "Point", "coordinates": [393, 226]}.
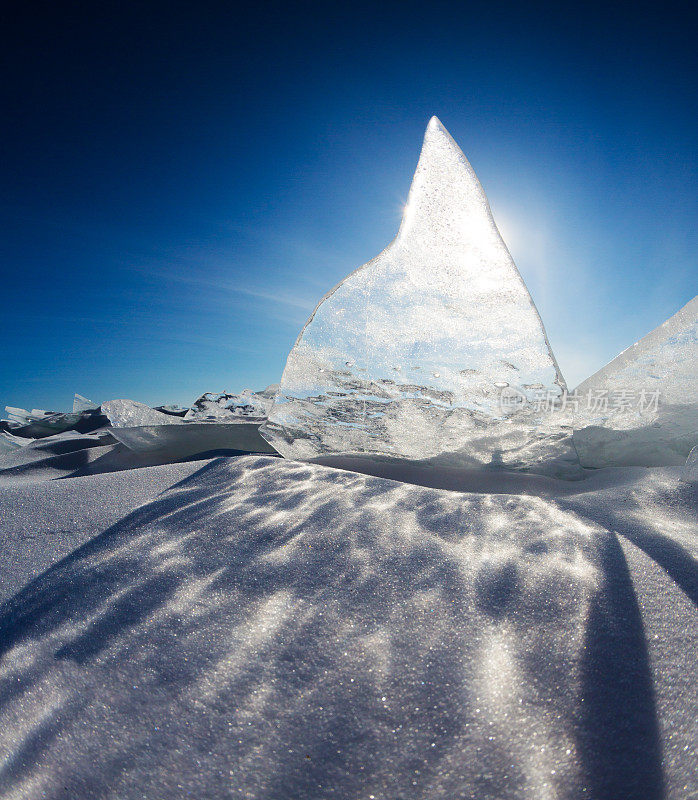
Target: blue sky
{"type": "Point", "coordinates": [184, 181]}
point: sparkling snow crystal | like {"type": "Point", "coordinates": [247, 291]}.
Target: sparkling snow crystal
{"type": "Point", "coordinates": [411, 354]}
{"type": "Point", "coordinates": [642, 408]}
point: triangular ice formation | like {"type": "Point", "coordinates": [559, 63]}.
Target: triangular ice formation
{"type": "Point", "coordinates": [642, 407]}
{"type": "Point", "coordinates": [81, 404]}
{"type": "Point", "coordinates": [409, 356]}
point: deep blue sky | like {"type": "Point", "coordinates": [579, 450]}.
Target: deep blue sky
{"type": "Point", "coordinates": [183, 181]}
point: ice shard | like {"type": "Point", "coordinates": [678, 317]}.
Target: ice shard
{"type": "Point", "coordinates": [690, 469]}
{"type": "Point", "coordinates": [81, 404]}
{"type": "Point", "coordinates": [129, 414]}
{"type": "Point", "coordinates": [642, 408]}
{"type": "Point", "coordinates": [20, 416]}
{"type": "Point", "coordinates": [432, 351]}
{"type": "Point", "coordinates": [172, 409]}
{"type": "Point", "coordinates": [174, 442]}
{"type": "Point", "coordinates": [38, 424]}
{"type": "Point", "coordinates": [225, 407]}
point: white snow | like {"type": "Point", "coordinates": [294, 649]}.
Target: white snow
{"type": "Point", "coordinates": [263, 628]}
{"type": "Point", "coordinates": [10, 443]}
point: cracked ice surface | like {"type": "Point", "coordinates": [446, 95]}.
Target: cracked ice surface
{"type": "Point", "coordinates": [652, 416]}
{"type": "Point", "coordinates": [408, 356]}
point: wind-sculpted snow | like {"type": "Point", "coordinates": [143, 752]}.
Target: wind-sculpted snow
{"type": "Point", "coordinates": [10, 443]}
{"type": "Point", "coordinates": [642, 407]}
{"type": "Point", "coordinates": [409, 355]}
{"type": "Point", "coordinates": [276, 630]}
{"type": "Point", "coordinates": [44, 521]}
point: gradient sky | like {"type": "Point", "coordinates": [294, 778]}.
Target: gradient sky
{"type": "Point", "coordinates": [182, 182]}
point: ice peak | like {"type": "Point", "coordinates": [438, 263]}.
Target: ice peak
{"type": "Point", "coordinates": [408, 356]}
{"type": "Point", "coordinates": [438, 140]}
{"type": "Point", "coordinates": [446, 202]}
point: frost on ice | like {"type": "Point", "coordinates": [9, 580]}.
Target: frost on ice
{"type": "Point", "coordinates": [409, 355]}
{"type": "Point", "coordinates": [650, 414]}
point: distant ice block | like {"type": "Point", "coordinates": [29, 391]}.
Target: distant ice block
{"type": "Point", "coordinates": [81, 404]}
{"type": "Point", "coordinates": [192, 438]}
{"type": "Point", "coordinates": [142, 429]}
{"type": "Point", "coordinates": [129, 414]}
{"type": "Point", "coordinates": [37, 423]}
{"type": "Point", "coordinates": [221, 407]}
{"type": "Point", "coordinates": [172, 409]}
{"type": "Point", "coordinates": [20, 416]}
{"type": "Point", "coordinates": [642, 408]}
{"type": "Point", "coordinates": [408, 357]}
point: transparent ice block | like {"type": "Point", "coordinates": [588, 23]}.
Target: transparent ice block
{"type": "Point", "coordinates": [410, 355]}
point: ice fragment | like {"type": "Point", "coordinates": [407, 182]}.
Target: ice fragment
{"type": "Point", "coordinates": [690, 470]}
{"type": "Point", "coordinates": [81, 403]}
{"type": "Point", "coordinates": [224, 406]}
{"type": "Point", "coordinates": [642, 408]}
{"type": "Point", "coordinates": [194, 438]}
{"type": "Point", "coordinates": [129, 413]}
